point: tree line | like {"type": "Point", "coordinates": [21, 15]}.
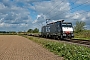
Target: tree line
{"type": "Point", "coordinates": [36, 30]}
{"type": "Point", "coordinates": [7, 32]}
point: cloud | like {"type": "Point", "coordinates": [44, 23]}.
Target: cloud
{"type": "Point", "coordinates": [18, 13]}
{"type": "Point", "coordinates": [12, 15]}
{"type": "Point", "coordinates": [59, 9]}
{"type": "Point", "coordinates": [83, 1]}
{"type": "Point", "coordinates": [39, 18]}
{"type": "Point", "coordinates": [55, 9]}
{"type": "Point", "coordinates": [80, 1]}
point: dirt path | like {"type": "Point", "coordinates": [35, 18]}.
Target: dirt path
{"type": "Point", "coordinates": [19, 48]}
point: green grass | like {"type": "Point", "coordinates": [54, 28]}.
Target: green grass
{"type": "Point", "coordinates": [68, 51]}
{"type": "Point", "coordinates": [83, 35]}
{"type": "Point", "coordinates": [80, 38]}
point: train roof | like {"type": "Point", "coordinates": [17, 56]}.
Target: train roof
{"type": "Point", "coordinates": [67, 22]}
{"type": "Point", "coordinates": [56, 22]}
{"type": "Point", "coordinates": [59, 21]}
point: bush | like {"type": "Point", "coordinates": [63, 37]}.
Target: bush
{"type": "Point", "coordinates": [84, 34]}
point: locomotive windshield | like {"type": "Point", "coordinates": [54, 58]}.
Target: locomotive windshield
{"type": "Point", "coordinates": [66, 24]}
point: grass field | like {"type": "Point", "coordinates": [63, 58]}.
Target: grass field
{"type": "Point", "coordinates": [68, 51]}
{"type": "Point", "coordinates": [83, 35]}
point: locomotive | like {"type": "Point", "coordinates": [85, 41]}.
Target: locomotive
{"type": "Point", "coordinates": [58, 30]}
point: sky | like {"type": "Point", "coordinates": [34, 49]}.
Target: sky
{"type": "Point", "coordinates": [21, 15]}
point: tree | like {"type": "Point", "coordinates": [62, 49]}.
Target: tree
{"type": "Point", "coordinates": [79, 26]}
{"type": "Point", "coordinates": [30, 30]}
{"type": "Point", "coordinates": [35, 30]}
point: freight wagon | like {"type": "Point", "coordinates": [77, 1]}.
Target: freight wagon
{"type": "Point", "coordinates": [58, 30]}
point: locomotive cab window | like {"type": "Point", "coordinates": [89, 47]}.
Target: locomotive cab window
{"type": "Point", "coordinates": [66, 25]}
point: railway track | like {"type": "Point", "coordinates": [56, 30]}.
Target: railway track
{"type": "Point", "coordinates": [86, 42]}
{"type": "Point", "coordinates": [77, 41]}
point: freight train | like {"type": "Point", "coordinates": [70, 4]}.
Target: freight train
{"type": "Point", "coordinates": [58, 30]}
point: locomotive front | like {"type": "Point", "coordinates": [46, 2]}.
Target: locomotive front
{"type": "Point", "coordinates": [67, 30]}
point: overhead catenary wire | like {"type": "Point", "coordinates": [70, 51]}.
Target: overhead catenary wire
{"type": "Point", "coordinates": [54, 7]}
{"type": "Point", "coordinates": [81, 13]}
{"type": "Point", "coordinates": [71, 9]}
{"type": "Point", "coordinates": [58, 5]}
{"type": "Point", "coordinates": [65, 12]}
{"type": "Point", "coordinates": [79, 5]}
